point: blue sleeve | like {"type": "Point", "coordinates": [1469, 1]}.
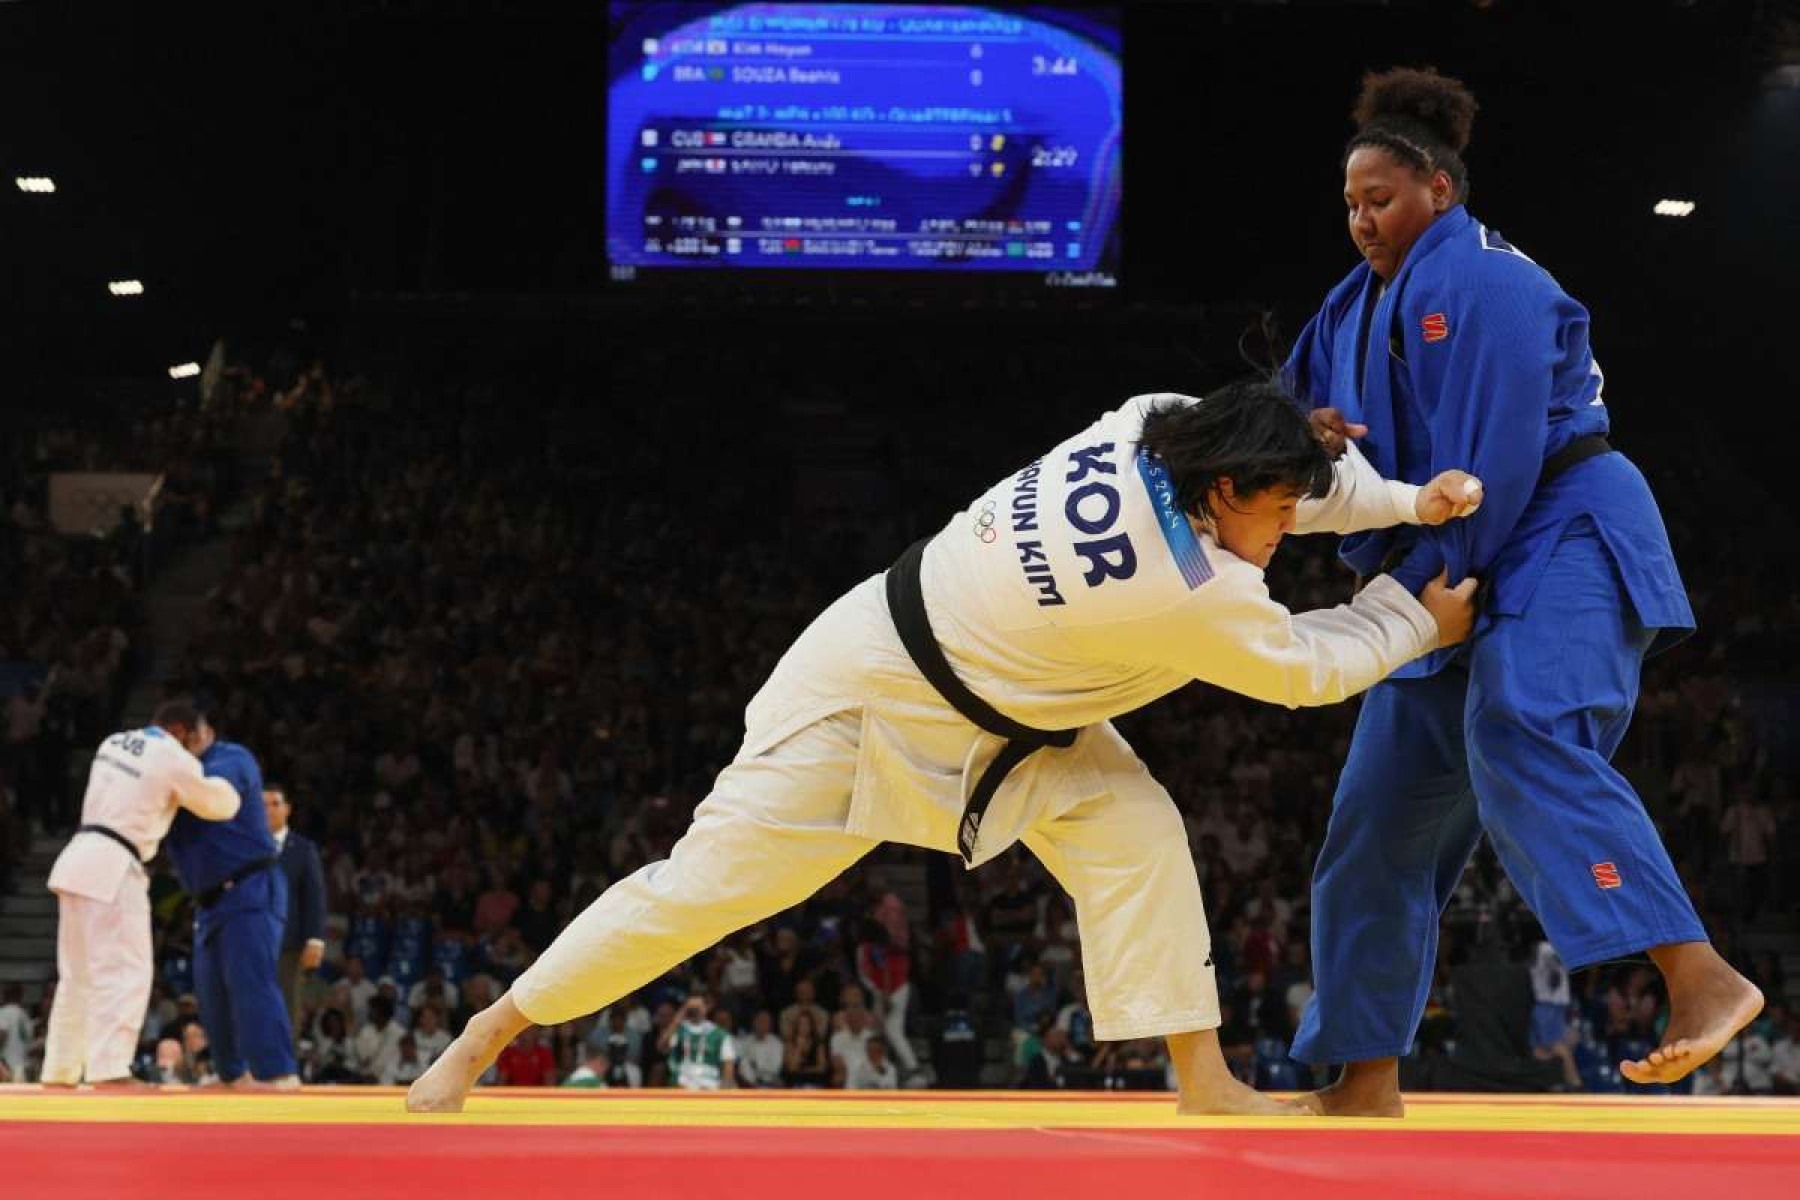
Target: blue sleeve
{"type": "Point", "coordinates": [1488, 386]}
{"type": "Point", "coordinates": [1307, 372]}
{"type": "Point", "coordinates": [223, 764]}
{"type": "Point", "coordinates": [312, 898]}
{"type": "Point", "coordinates": [252, 778]}
{"type": "Point", "coordinates": [239, 767]}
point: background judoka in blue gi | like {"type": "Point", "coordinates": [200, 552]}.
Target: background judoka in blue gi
{"type": "Point", "coordinates": [237, 939]}
{"type": "Point", "coordinates": [1455, 348]}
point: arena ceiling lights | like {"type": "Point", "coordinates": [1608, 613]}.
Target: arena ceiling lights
{"type": "Point", "coordinates": [185, 370]}
{"type": "Point", "coordinates": [1674, 208]}
{"type": "Point", "coordinates": [40, 184]}
{"type": "Point", "coordinates": [126, 287]}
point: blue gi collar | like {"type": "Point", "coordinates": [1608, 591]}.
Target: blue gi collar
{"type": "Point", "coordinates": [1455, 220]}
{"type": "Point", "coordinates": [1375, 387]}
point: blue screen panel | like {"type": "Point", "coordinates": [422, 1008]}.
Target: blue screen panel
{"type": "Point", "coordinates": [843, 137]}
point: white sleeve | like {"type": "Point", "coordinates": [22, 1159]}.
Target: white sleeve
{"type": "Point", "coordinates": [210, 799]}
{"type": "Point", "coordinates": [1359, 499]}
{"type": "Point", "coordinates": [1231, 633]}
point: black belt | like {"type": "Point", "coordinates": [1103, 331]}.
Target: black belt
{"type": "Point", "coordinates": [1591, 445]}
{"type": "Point", "coordinates": [213, 894]}
{"type": "Point", "coordinates": [116, 836]}
{"type": "Point", "coordinates": [906, 601]}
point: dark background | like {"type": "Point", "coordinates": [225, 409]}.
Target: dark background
{"type": "Point", "coordinates": [255, 163]}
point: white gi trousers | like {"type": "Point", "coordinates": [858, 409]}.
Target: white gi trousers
{"type": "Point", "coordinates": [773, 832]}
{"type": "Point", "coordinates": [104, 967]}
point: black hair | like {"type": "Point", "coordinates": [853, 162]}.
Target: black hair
{"type": "Point", "coordinates": [183, 713]}
{"type": "Point", "coordinates": [279, 788]}
{"type": "Point", "coordinates": [1420, 117]}
{"type": "Point", "coordinates": [1250, 432]}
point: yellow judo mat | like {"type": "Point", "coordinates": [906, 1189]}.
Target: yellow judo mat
{"type": "Point", "coordinates": [897, 1110]}
{"type": "Point", "coordinates": [519, 1143]}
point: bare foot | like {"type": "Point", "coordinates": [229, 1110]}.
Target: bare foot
{"type": "Point", "coordinates": [1709, 1002]}
{"type": "Point", "coordinates": [1235, 1100]}
{"type": "Point", "coordinates": [1366, 1089]}
{"type": "Point", "coordinates": [445, 1085]}
{"type": "Point", "coordinates": [1337, 1101]}
{"type": "Point", "coordinates": [1208, 1087]}
{"type": "Point", "coordinates": [247, 1083]}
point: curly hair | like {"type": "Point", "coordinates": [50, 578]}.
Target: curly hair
{"type": "Point", "coordinates": [1420, 117]}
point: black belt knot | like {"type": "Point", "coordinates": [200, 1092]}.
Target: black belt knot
{"type": "Point", "coordinates": [207, 897]}
{"type": "Point", "coordinates": [906, 602]}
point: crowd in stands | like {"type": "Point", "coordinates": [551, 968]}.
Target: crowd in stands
{"type": "Point", "coordinates": [496, 657]}
{"type": "Point", "coordinates": [71, 621]}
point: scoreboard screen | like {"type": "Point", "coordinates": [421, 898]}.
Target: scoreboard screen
{"type": "Point", "coordinates": [865, 137]}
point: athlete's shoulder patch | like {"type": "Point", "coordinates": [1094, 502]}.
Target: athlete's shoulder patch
{"type": "Point", "coordinates": [1184, 546]}
{"type": "Point", "coordinates": [1435, 326]}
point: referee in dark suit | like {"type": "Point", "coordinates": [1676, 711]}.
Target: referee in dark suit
{"type": "Point", "coordinates": [303, 943]}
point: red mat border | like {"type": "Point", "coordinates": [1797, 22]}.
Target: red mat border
{"type": "Point", "coordinates": [82, 1160]}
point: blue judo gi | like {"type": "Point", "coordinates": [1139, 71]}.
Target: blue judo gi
{"type": "Point", "coordinates": [1474, 358]}
{"type": "Point", "coordinates": [237, 939]}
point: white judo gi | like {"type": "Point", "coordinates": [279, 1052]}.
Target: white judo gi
{"type": "Point", "coordinates": [103, 956]}
{"type": "Point", "coordinates": [1069, 593]}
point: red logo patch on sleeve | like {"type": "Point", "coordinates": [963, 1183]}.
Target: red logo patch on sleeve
{"type": "Point", "coordinates": [1606, 875]}
{"type": "Point", "coordinates": [1436, 327]}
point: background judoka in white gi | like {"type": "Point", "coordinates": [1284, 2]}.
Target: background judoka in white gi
{"type": "Point", "coordinates": [104, 965]}
{"type": "Point", "coordinates": [1072, 591]}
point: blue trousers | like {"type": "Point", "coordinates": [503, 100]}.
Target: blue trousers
{"type": "Point", "coordinates": [1514, 738]}
{"type": "Point", "coordinates": [240, 998]}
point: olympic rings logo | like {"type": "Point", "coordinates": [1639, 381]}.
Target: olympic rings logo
{"type": "Point", "coordinates": [984, 521]}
